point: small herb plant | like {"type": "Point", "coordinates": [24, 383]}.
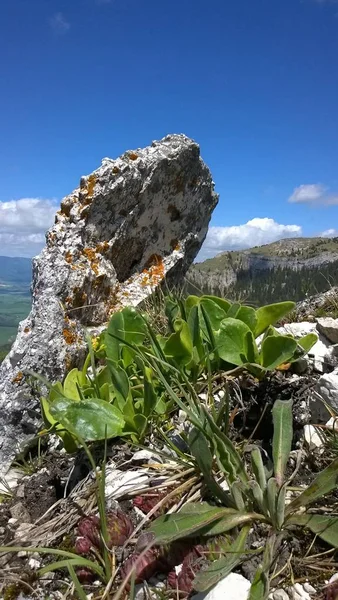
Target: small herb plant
{"type": "Point", "coordinates": [118, 391]}
{"type": "Point", "coordinates": [252, 495]}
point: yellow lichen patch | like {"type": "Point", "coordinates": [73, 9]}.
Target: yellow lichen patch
{"type": "Point", "coordinates": [68, 257]}
{"type": "Point", "coordinates": [91, 185]}
{"type": "Point", "coordinates": [133, 156]}
{"type": "Point", "coordinates": [18, 377]}
{"type": "Point", "coordinates": [91, 255]}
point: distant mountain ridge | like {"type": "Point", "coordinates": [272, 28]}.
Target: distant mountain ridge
{"type": "Point", "coordinates": [15, 272]}
{"type": "Point", "coordinates": [291, 269]}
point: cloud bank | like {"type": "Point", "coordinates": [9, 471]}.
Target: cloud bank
{"type": "Point", "coordinates": [23, 224]}
{"type": "Point", "coordinates": [313, 193]}
{"type": "Point", "coordinates": [256, 232]}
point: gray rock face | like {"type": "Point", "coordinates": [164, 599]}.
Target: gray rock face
{"type": "Point", "coordinates": [131, 223]}
{"type": "Point", "coordinates": [328, 327]}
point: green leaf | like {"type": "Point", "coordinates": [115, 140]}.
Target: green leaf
{"type": "Point", "coordinates": [195, 331]}
{"type": "Point", "coordinates": [88, 418]}
{"type": "Point", "coordinates": [228, 459]}
{"type": "Point", "coordinates": [120, 381]}
{"type": "Point", "coordinates": [69, 442]}
{"type": "Point", "coordinates": [260, 586]}
{"type": "Point", "coordinates": [128, 325]}
{"type": "Point", "coordinates": [323, 483]}
{"type": "Point", "coordinates": [171, 527]}
{"type": "Point", "coordinates": [71, 383]}
{"type": "Point", "coordinates": [221, 302]}
{"type": "Point", "coordinates": [231, 341]}
{"type": "Point", "coordinates": [215, 313]}
{"type": "Point", "coordinates": [270, 314]}
{"type": "Point", "coordinates": [221, 568]}
{"type": "Point", "coordinates": [282, 437]}
{"type": "Point", "coordinates": [115, 328]}
{"type": "Point", "coordinates": [150, 396]}
{"type": "Point", "coordinates": [179, 345]}
{"type": "Point", "coordinates": [277, 350]}
{"type": "Point", "coordinates": [323, 525]}
{"type": "Point", "coordinates": [307, 341]}
{"type": "Point", "coordinates": [200, 450]}
{"type": "Point", "coordinates": [247, 314]}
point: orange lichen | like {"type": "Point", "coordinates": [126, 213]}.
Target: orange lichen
{"type": "Point", "coordinates": [68, 257]}
{"type": "Point", "coordinates": [69, 336]}
{"type": "Point", "coordinates": [133, 156]}
{"type": "Point", "coordinates": [102, 247]}
{"type": "Point", "coordinates": [18, 377]}
{"type": "Point", "coordinates": [91, 185]}
{"type": "Point", "coordinates": [116, 170]}
{"type": "Point", "coordinates": [91, 255]}
{"type": "Point", "coordinates": [26, 330]}
{"type": "Point", "coordinates": [174, 244]}
{"type": "Point", "coordinates": [154, 271]}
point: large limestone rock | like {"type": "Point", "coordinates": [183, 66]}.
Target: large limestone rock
{"type": "Point", "coordinates": [130, 224]}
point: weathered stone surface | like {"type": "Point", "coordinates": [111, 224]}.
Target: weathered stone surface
{"type": "Point", "coordinates": [130, 224]}
{"type": "Point", "coordinates": [327, 388]}
{"type": "Point", "coordinates": [322, 354]}
{"type": "Point", "coordinates": [328, 327]}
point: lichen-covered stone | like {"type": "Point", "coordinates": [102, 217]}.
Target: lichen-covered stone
{"type": "Point", "coordinates": [130, 224]}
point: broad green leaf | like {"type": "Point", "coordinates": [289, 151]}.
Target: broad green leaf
{"type": "Point", "coordinates": [190, 302]}
{"type": "Point", "coordinates": [172, 310]}
{"type": "Point", "coordinates": [221, 302]}
{"type": "Point", "coordinates": [179, 345]}
{"type": "Point", "coordinates": [90, 419]}
{"type": "Point", "coordinates": [171, 527]}
{"type": "Point", "coordinates": [115, 328]}
{"type": "Point", "coordinates": [141, 425]}
{"type": "Point", "coordinates": [259, 589]}
{"type": "Point", "coordinates": [215, 313]}
{"type": "Point", "coordinates": [71, 383]}
{"type": "Point", "coordinates": [258, 468]}
{"type": "Point", "coordinates": [323, 525]}
{"type": "Point", "coordinates": [323, 483]}
{"type": "Point", "coordinates": [282, 437]}
{"type": "Point", "coordinates": [56, 392]}
{"type": "Point", "coordinates": [233, 310]}
{"type": "Point", "coordinates": [307, 341]}
{"type": "Point", "coordinates": [128, 325]}
{"type": "Point", "coordinates": [231, 341]}
{"type": "Point", "coordinates": [221, 568]}
{"type": "Point", "coordinates": [252, 354]}
{"type": "Point", "coordinates": [277, 350]}
{"type": "Point", "coordinates": [270, 314]}
{"type": "Point", "coordinates": [247, 314]}
{"type": "Point", "coordinates": [69, 442]}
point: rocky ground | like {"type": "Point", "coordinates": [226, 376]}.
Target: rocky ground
{"type": "Point", "coordinates": [50, 498]}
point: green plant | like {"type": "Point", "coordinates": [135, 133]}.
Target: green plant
{"type": "Point", "coordinates": [119, 389]}
{"type": "Point", "coordinates": [254, 495]}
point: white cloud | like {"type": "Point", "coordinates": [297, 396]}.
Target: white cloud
{"type": "Point", "coordinates": [256, 232]}
{"type": "Point", "coordinates": [59, 24]}
{"type": "Point", "coordinates": [313, 193]}
{"type": "Point", "coordinates": [23, 224]}
{"type": "Point", "coordinates": [329, 233]}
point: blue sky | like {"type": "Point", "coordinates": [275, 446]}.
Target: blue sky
{"type": "Point", "coordinates": [254, 82]}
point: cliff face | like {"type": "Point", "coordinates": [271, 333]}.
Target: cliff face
{"type": "Point", "coordinates": [289, 269]}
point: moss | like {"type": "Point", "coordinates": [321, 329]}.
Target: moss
{"type": "Point", "coordinates": [12, 591]}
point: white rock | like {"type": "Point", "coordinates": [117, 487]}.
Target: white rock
{"type": "Point", "coordinates": [309, 588]}
{"type": "Point", "coordinates": [120, 483]}
{"type": "Point", "coordinates": [327, 388]}
{"type": "Point", "coordinates": [34, 564]}
{"type": "Point", "coordinates": [233, 587]}
{"type": "Point", "coordinates": [279, 595]}
{"type": "Point", "coordinates": [332, 424]}
{"type": "Point", "coordinates": [313, 437]}
{"type": "Point", "coordinates": [329, 328]}
{"type": "Point", "coordinates": [10, 481]}
{"type": "Point", "coordinates": [146, 456]}
{"type": "Point", "coordinates": [297, 592]}
{"type": "Point", "coordinates": [322, 353]}
{"type": "Point", "coordinates": [333, 578]}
